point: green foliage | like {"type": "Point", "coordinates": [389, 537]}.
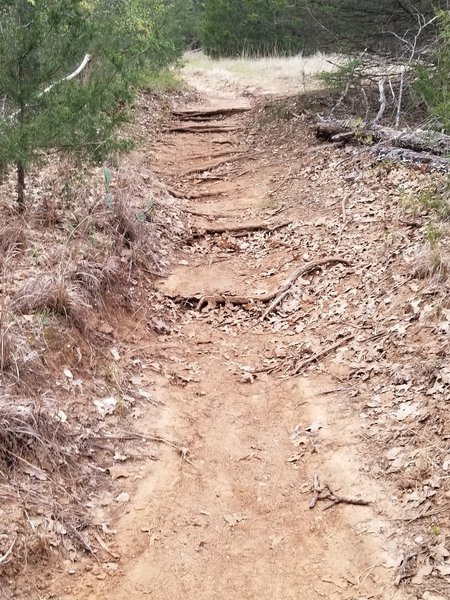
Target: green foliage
{"type": "Point", "coordinates": [184, 21]}
{"type": "Point", "coordinates": [43, 42]}
{"type": "Point", "coordinates": [233, 27]}
{"type": "Point", "coordinates": [165, 80]}
{"type": "Point", "coordinates": [433, 81]}
{"type": "Point", "coordinates": [433, 201]}
{"type": "Point", "coordinates": [254, 27]}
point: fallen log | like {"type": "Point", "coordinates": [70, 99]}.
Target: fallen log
{"type": "Point", "coordinates": [201, 300]}
{"type": "Point", "coordinates": [410, 157]}
{"type": "Point", "coordinates": [345, 131]}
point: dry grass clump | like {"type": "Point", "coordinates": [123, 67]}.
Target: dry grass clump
{"type": "Point", "coordinates": [53, 292]}
{"type": "Point", "coordinates": [134, 231]}
{"type": "Point", "coordinates": [12, 236]}
{"type": "Point", "coordinates": [31, 436]}
{"type": "Point", "coordinates": [97, 278]}
{"type": "Point", "coordinates": [6, 348]}
{"type": "Point", "coordinates": [432, 263]}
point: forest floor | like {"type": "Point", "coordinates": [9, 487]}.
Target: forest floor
{"type": "Point", "coordinates": [304, 445]}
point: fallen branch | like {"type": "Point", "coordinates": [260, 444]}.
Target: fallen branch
{"type": "Point", "coordinates": [245, 227]}
{"type": "Point", "coordinates": [324, 492]}
{"type": "Point", "coordinates": [202, 300]}
{"type": "Point", "coordinates": [321, 354]}
{"type": "Point", "coordinates": [4, 558]}
{"type": "Point", "coordinates": [410, 157]}
{"type": "Point", "coordinates": [364, 133]}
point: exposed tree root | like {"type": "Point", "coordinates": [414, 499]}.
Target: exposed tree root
{"type": "Point", "coordinates": [213, 165]}
{"type": "Point", "coordinates": [192, 195]}
{"type": "Point", "coordinates": [202, 129]}
{"type": "Point", "coordinates": [188, 115]}
{"type": "Point", "coordinates": [245, 227]}
{"type": "Point", "coordinates": [201, 300]}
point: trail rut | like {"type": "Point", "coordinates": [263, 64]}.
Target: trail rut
{"type": "Point", "coordinates": [234, 521]}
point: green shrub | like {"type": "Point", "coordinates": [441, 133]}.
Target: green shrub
{"type": "Point", "coordinates": [433, 78]}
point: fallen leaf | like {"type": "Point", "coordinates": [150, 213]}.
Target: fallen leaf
{"type": "Point", "coordinates": [115, 353]}
{"type": "Point", "coordinates": [118, 471]}
{"type": "Point", "coordinates": [106, 406]}
{"type": "Point", "coordinates": [123, 498]}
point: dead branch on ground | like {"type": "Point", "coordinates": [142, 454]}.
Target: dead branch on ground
{"type": "Point", "coordinates": [365, 133]}
{"type": "Point", "coordinates": [322, 491]}
{"type": "Point", "coordinates": [321, 354]}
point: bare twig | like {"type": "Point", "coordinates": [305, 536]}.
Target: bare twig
{"type": "Point", "coordinates": [324, 492]}
{"type": "Point", "coordinates": [318, 355]}
{"type": "Point", "coordinates": [4, 558]}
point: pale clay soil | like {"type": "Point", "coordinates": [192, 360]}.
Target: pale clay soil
{"type": "Point", "coordinates": [233, 521]}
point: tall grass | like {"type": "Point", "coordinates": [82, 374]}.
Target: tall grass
{"type": "Point", "coordinates": [272, 74]}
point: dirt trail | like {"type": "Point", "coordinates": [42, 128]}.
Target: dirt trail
{"type": "Point", "coordinates": [234, 521]}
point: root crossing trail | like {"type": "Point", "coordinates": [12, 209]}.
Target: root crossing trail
{"type": "Point", "coordinates": [243, 518]}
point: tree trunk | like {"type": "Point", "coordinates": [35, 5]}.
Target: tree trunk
{"type": "Point", "coordinates": [21, 186]}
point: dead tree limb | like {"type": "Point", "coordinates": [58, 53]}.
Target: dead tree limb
{"type": "Point", "coordinates": [383, 102]}
{"type": "Point", "coordinates": [324, 492]}
{"type": "Point", "coordinates": [364, 133]}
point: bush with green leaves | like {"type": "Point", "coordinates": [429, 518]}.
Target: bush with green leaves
{"type": "Point", "coordinates": [254, 27]}
{"type": "Point", "coordinates": [68, 71]}
{"type": "Point", "coordinates": [433, 76]}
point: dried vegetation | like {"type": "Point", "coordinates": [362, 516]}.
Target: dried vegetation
{"type": "Point", "coordinates": [83, 256]}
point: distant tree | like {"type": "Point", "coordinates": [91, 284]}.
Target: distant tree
{"type": "Point", "coordinates": [256, 27]}
{"type": "Point", "coordinates": [433, 77]}
{"type": "Point", "coordinates": [231, 27]}
{"type": "Point", "coordinates": [67, 70]}
{"type": "Point", "coordinates": [185, 17]}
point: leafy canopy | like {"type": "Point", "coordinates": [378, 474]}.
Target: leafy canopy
{"type": "Point", "coordinates": [43, 41]}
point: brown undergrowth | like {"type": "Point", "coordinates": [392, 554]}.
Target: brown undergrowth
{"type": "Point", "coordinates": [80, 260]}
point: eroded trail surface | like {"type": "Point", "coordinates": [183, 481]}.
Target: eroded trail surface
{"type": "Point", "coordinates": [237, 517]}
